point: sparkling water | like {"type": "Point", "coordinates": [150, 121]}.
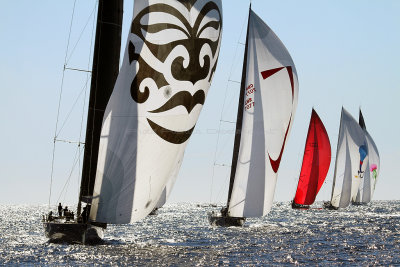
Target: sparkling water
{"type": "Point", "coordinates": [180, 235]}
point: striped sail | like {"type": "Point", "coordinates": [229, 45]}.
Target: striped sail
{"type": "Point", "coordinates": [270, 91]}
{"type": "Point", "coordinates": [351, 161]}
{"type": "Point", "coordinates": [316, 161]}
{"type": "Point", "coordinates": [169, 61]}
{"type": "Point", "coordinates": [367, 184]}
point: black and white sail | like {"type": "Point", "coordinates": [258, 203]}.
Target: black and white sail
{"type": "Point", "coordinates": [169, 62]}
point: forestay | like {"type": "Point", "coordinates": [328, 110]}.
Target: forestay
{"type": "Point", "coordinates": [271, 91]}
{"type": "Point", "coordinates": [351, 161]}
{"type": "Point", "coordinates": [169, 61]}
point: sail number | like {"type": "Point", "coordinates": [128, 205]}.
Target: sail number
{"type": "Point", "coordinates": [249, 97]}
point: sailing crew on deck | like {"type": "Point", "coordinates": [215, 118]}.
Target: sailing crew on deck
{"type": "Point", "coordinates": [50, 216]}
{"type": "Point", "coordinates": [85, 214]}
{"type": "Point", "coordinates": [60, 209]}
{"type": "Point", "coordinates": [66, 211]}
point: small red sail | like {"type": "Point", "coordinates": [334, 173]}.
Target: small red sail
{"type": "Point", "coordinates": [316, 161]}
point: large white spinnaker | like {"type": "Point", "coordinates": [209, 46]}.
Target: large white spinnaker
{"type": "Point", "coordinates": [169, 61]}
{"type": "Point", "coordinates": [351, 161]}
{"type": "Point", "coordinates": [269, 103]}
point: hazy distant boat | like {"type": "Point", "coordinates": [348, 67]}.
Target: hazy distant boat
{"type": "Point", "coordinates": [351, 162]}
{"type": "Point", "coordinates": [170, 59]}
{"type": "Point", "coordinates": [315, 166]}
{"type": "Point", "coordinates": [267, 103]}
{"type": "Point", "coordinates": [367, 184]}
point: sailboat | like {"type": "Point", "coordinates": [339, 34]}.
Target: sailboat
{"type": "Point", "coordinates": [266, 107]}
{"type": "Point", "coordinates": [351, 162]}
{"type": "Point", "coordinates": [169, 62]}
{"type": "Point", "coordinates": [367, 184]}
{"type": "Point", "coordinates": [316, 161]}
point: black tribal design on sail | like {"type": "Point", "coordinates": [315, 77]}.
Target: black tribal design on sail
{"type": "Point", "coordinates": [174, 43]}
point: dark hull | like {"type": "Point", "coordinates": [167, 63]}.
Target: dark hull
{"type": "Point", "coordinates": [328, 206]}
{"type": "Point", "coordinates": [225, 221]}
{"type": "Point", "coordinates": [154, 211]}
{"type": "Point", "coordinates": [359, 203]}
{"type": "Point", "coordinates": [73, 233]}
{"type": "Point", "coordinates": [299, 206]}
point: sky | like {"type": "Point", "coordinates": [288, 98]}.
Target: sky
{"type": "Point", "coordinates": [346, 54]}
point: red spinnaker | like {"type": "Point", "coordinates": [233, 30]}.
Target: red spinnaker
{"type": "Point", "coordinates": [316, 161]}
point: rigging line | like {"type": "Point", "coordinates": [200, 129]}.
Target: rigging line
{"type": "Point", "coordinates": [222, 165]}
{"type": "Point", "coordinates": [222, 188]}
{"type": "Point", "coordinates": [229, 80]}
{"type": "Point", "coordinates": [80, 35]}
{"type": "Point", "coordinates": [59, 101]}
{"type": "Point", "coordinates": [72, 108]}
{"type": "Point", "coordinates": [227, 121]}
{"type": "Point", "coordinates": [68, 141]}
{"type": "Point", "coordinates": [63, 190]}
{"type": "Point", "coordinates": [77, 69]}
{"type": "Point", "coordinates": [222, 111]}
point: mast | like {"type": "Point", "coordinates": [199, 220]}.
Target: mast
{"type": "Point", "coordinates": [239, 119]}
{"type": "Point", "coordinates": [104, 74]}
{"type": "Point", "coordinates": [361, 121]}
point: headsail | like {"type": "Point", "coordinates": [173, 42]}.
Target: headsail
{"type": "Point", "coordinates": [170, 58]}
{"type": "Point", "coordinates": [270, 90]}
{"type": "Point", "coordinates": [367, 184]}
{"type": "Point", "coordinates": [316, 161]}
{"type": "Point", "coordinates": [351, 161]}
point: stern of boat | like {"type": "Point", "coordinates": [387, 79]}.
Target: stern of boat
{"type": "Point", "coordinates": [73, 232]}
{"type": "Point", "coordinates": [225, 221]}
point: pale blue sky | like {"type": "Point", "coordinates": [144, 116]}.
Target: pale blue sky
{"type": "Point", "coordinates": [346, 53]}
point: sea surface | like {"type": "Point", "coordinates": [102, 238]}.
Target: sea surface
{"type": "Point", "coordinates": [180, 235]}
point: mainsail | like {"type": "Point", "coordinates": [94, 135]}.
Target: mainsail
{"type": "Point", "coordinates": [104, 74]}
{"type": "Point", "coordinates": [351, 161]}
{"type": "Point", "coordinates": [316, 161]}
{"type": "Point", "coordinates": [267, 104]}
{"type": "Point", "coordinates": [367, 184]}
{"type": "Point", "coordinates": [169, 61]}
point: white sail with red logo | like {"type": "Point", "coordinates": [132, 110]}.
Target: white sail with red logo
{"type": "Point", "coordinates": [169, 62]}
{"type": "Point", "coordinates": [266, 111]}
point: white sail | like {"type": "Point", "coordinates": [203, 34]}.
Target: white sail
{"type": "Point", "coordinates": [169, 61]}
{"type": "Point", "coordinates": [269, 105]}
{"type": "Point", "coordinates": [367, 185]}
{"type": "Point", "coordinates": [351, 161]}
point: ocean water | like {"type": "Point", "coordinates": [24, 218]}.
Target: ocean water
{"type": "Point", "coordinates": [180, 235]}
